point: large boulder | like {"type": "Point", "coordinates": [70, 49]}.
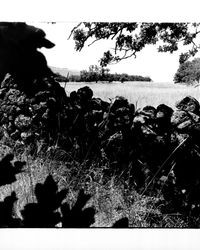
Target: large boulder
{"type": "Point", "coordinates": [163, 117]}
{"type": "Point", "coordinates": [144, 121]}
{"type": "Point", "coordinates": [186, 118]}
{"type": "Point", "coordinates": [189, 104]}
{"type": "Point", "coordinates": [120, 115]}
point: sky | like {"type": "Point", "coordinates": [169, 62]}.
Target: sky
{"type": "Point", "coordinates": [160, 67]}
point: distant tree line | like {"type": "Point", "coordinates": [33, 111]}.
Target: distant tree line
{"type": "Point", "coordinates": [99, 74]}
{"type": "Point", "coordinates": [188, 72]}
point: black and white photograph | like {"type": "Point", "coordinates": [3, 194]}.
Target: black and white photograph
{"type": "Point", "coordinates": [100, 126]}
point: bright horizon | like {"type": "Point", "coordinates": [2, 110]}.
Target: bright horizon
{"type": "Point", "coordinates": [160, 67]}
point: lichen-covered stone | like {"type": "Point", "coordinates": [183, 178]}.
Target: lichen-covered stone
{"type": "Point", "coordinates": [23, 122]}
{"type": "Point", "coordinates": [25, 136]}
{"type": "Point", "coordinates": [120, 115]}
{"type": "Point", "coordinates": [144, 121]}
{"type": "Point", "coordinates": [149, 112]}
{"type": "Point", "coordinates": [190, 104]}
{"type": "Point", "coordinates": [25, 112]}
{"type": "Point", "coordinates": [5, 150]}
{"type": "Point", "coordinates": [178, 117]}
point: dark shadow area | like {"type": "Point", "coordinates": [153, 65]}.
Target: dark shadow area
{"type": "Point", "coordinates": [77, 216]}
{"type": "Point", "coordinates": [19, 55]}
{"type": "Point", "coordinates": [44, 213]}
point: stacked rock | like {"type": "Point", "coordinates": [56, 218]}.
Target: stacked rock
{"type": "Point", "coordinates": [26, 118]}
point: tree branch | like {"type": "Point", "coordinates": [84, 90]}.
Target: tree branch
{"type": "Point", "coordinates": [195, 45]}
{"type": "Point", "coordinates": [94, 41]}
{"type": "Point", "coordinates": [117, 33]}
{"type": "Point", "coordinates": [132, 54]}
{"type": "Point", "coordinates": [97, 39]}
{"type": "Point", "coordinates": [72, 31]}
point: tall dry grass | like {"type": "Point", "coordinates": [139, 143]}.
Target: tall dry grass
{"type": "Point", "coordinates": [112, 196]}
{"type": "Point", "coordinates": [139, 93]}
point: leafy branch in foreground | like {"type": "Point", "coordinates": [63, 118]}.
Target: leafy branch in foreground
{"type": "Point", "coordinates": [8, 172]}
{"type": "Point", "coordinates": [77, 217]}
{"type": "Point", "coordinates": [50, 209]}
{"type": "Point", "coordinates": [44, 213]}
{"type": "Point", "coordinates": [131, 38]}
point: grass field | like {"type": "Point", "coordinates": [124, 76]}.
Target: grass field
{"type": "Point", "coordinates": [139, 93]}
{"type": "Point", "coordinates": [111, 198]}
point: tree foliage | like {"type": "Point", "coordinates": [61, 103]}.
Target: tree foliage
{"type": "Point", "coordinates": [96, 73]}
{"type": "Point", "coordinates": [131, 38]}
{"type": "Point", "coordinates": [188, 72]}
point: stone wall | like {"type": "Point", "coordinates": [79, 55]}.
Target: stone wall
{"type": "Point", "coordinates": [157, 146]}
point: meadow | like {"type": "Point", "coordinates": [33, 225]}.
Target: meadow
{"type": "Point", "coordinates": [111, 197]}
{"type": "Point", "coordinates": [139, 93]}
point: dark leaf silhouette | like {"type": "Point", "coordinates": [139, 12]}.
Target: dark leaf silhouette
{"type": "Point", "coordinates": [8, 171]}
{"type": "Point", "coordinates": [122, 223]}
{"type": "Point", "coordinates": [77, 217]}
{"type": "Point", "coordinates": [44, 213]}
{"type": "Point", "coordinates": [6, 212]}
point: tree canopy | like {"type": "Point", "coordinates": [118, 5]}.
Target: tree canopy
{"type": "Point", "coordinates": [96, 73]}
{"type": "Point", "coordinates": [188, 72]}
{"type": "Point", "coordinates": [131, 38]}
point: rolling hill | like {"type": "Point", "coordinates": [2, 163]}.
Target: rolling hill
{"type": "Point", "coordinates": [64, 71]}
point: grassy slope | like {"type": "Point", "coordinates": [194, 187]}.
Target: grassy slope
{"type": "Point", "coordinates": [111, 197]}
